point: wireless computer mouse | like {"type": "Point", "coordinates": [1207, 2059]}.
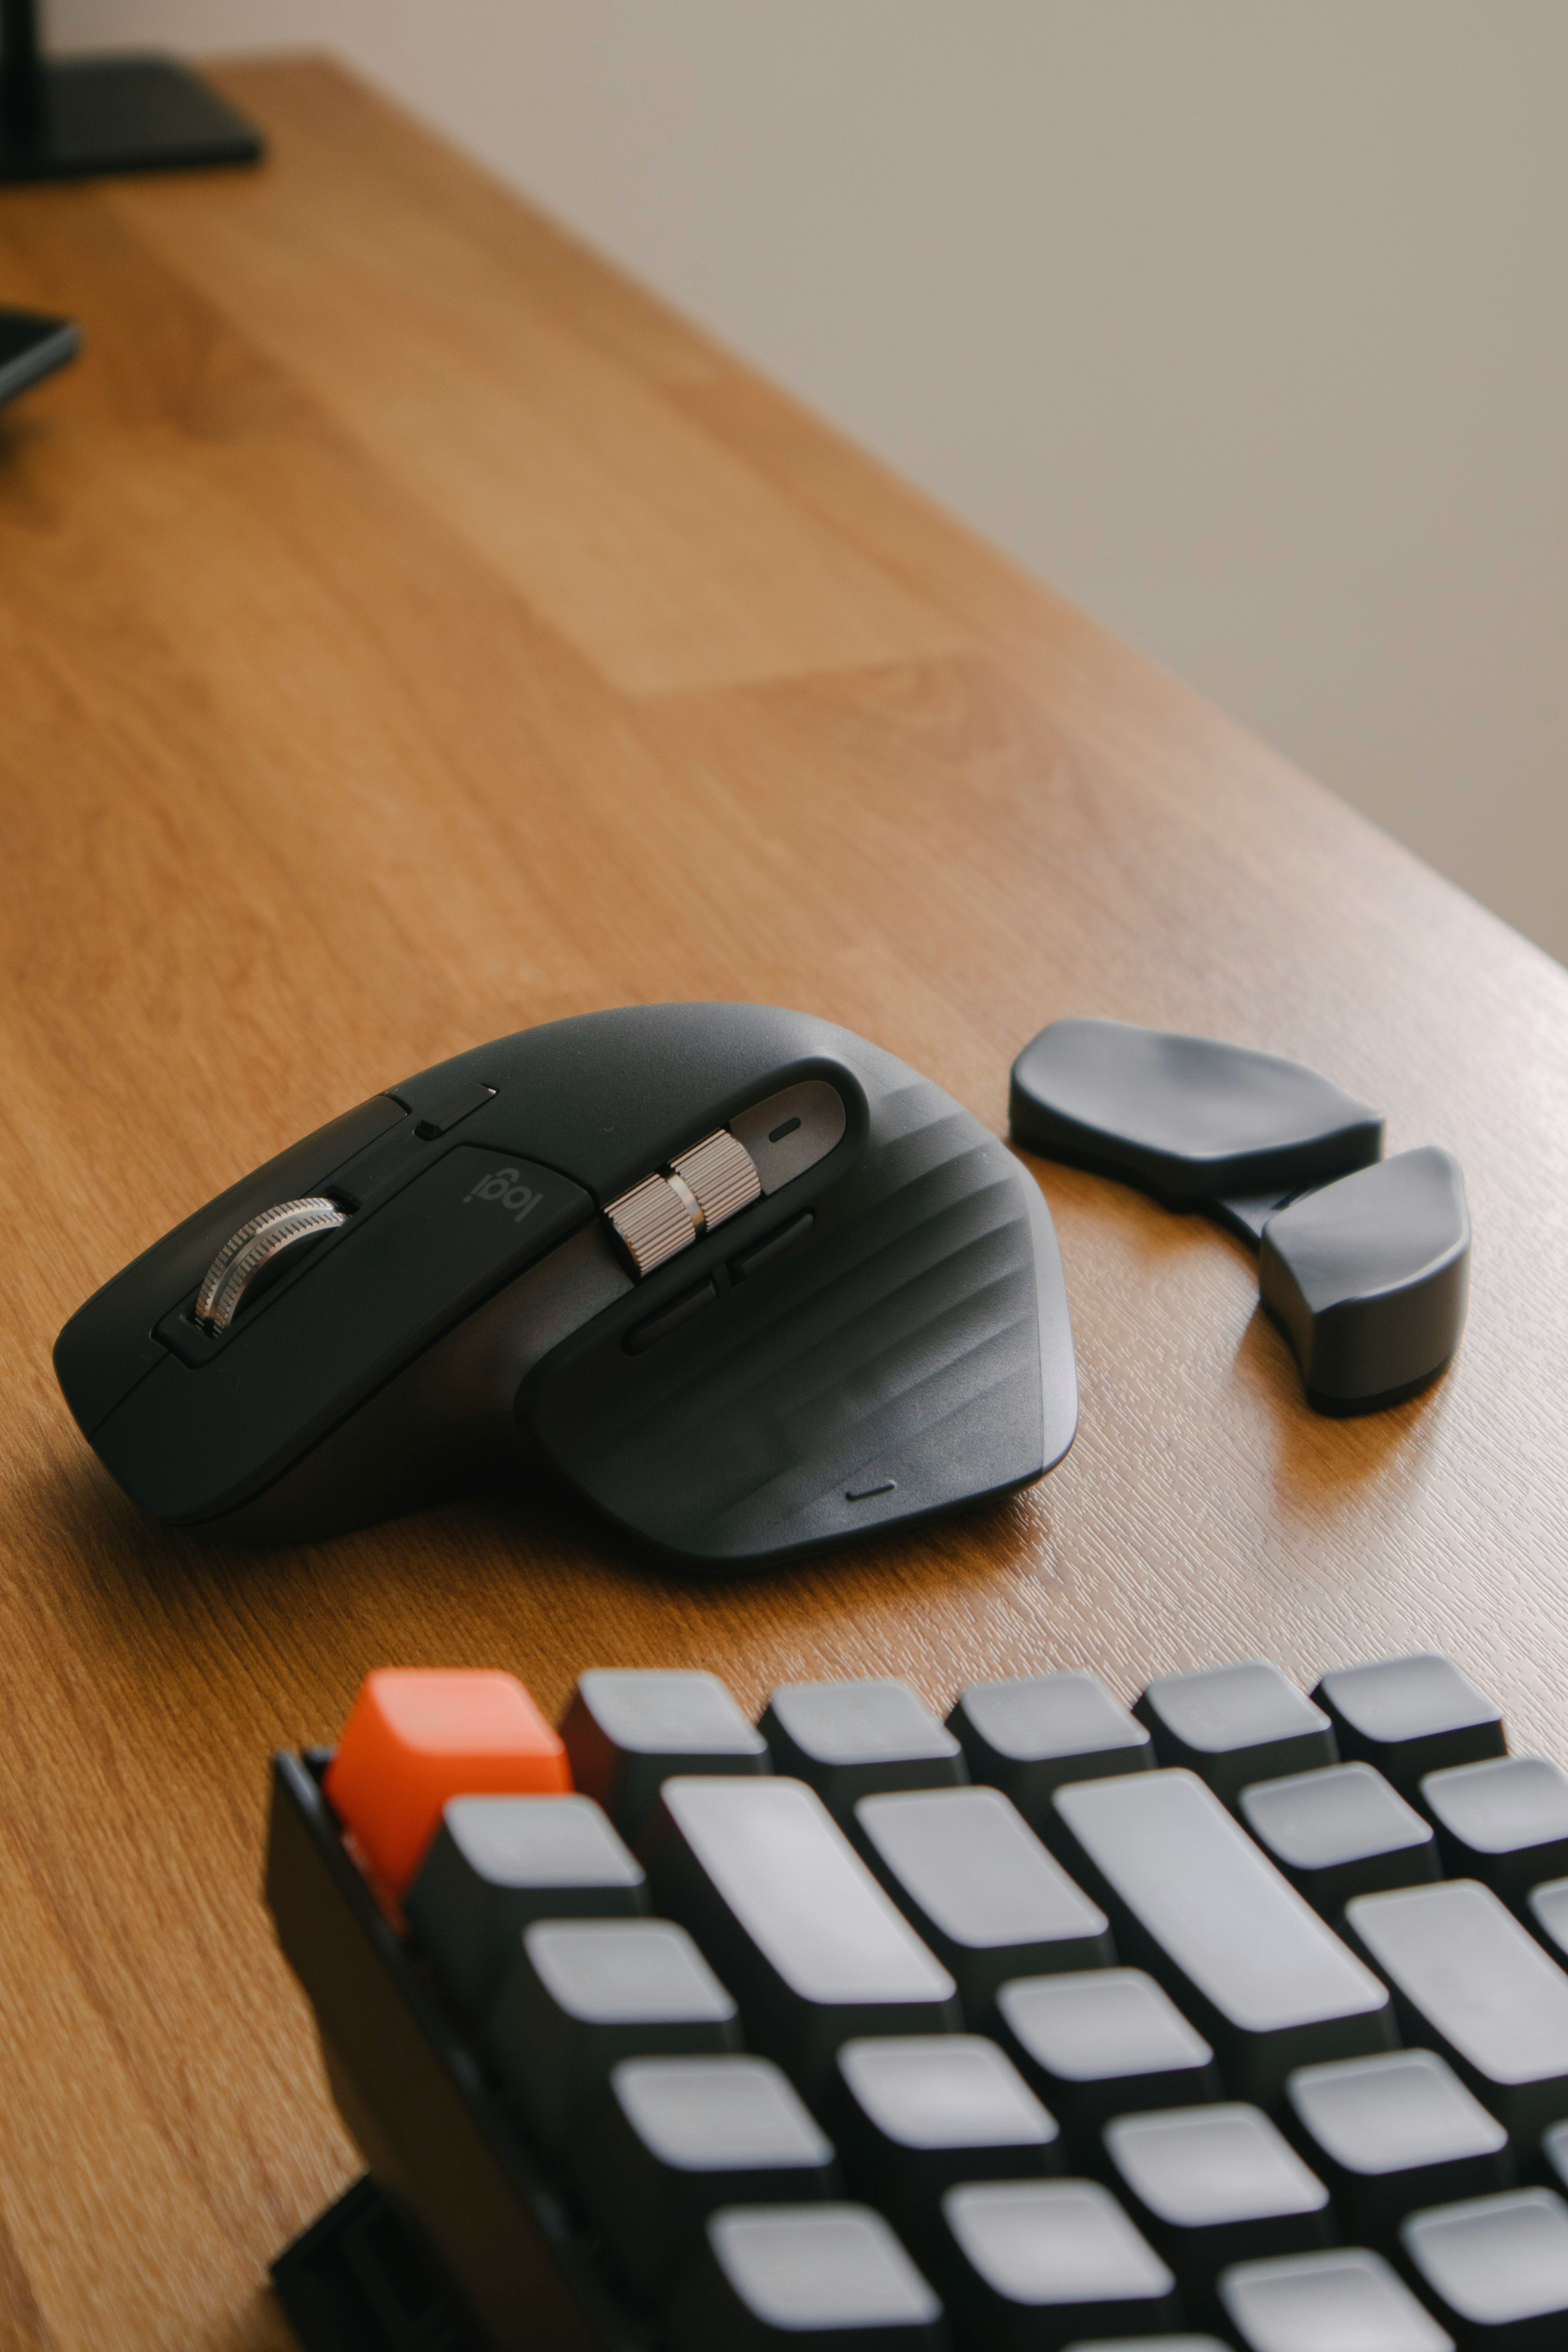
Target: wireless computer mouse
{"type": "Point", "coordinates": [748, 1282]}
{"type": "Point", "coordinates": [1363, 1262]}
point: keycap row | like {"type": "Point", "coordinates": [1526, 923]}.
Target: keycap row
{"type": "Point", "coordinates": [1157, 1872]}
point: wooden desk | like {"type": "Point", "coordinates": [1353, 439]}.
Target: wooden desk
{"type": "Point", "coordinates": [408, 633]}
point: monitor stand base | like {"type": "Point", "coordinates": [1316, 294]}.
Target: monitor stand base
{"type": "Point", "coordinates": [78, 117]}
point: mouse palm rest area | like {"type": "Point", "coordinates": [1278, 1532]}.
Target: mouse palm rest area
{"type": "Point", "coordinates": [747, 1282]}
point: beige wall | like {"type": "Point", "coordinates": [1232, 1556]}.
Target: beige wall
{"type": "Point", "coordinates": [1243, 321]}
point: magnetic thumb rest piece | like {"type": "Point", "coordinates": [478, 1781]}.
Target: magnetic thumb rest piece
{"type": "Point", "coordinates": [1198, 1123]}
{"type": "Point", "coordinates": [1364, 1262]}
{"type": "Point", "coordinates": [1369, 1279]}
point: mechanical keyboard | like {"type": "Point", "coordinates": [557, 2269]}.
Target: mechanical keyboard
{"type": "Point", "coordinates": [1237, 2017]}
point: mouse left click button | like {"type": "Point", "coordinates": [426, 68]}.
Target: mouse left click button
{"type": "Point", "coordinates": [255, 1251]}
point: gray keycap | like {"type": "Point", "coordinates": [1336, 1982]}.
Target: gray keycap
{"type": "Point", "coordinates": [977, 1885]}
{"type": "Point", "coordinates": [1235, 1724]}
{"type": "Point", "coordinates": [678, 2137]}
{"type": "Point", "coordinates": [1410, 1716]}
{"type": "Point", "coordinates": [1032, 2264]}
{"type": "Point", "coordinates": [832, 2277]}
{"type": "Point", "coordinates": [583, 1994]}
{"type": "Point", "coordinates": [774, 1891]}
{"type": "Point", "coordinates": [1327, 2303]}
{"type": "Point", "coordinates": [1339, 1834]}
{"type": "Point", "coordinates": [1546, 1914]}
{"type": "Point", "coordinates": [1497, 2269]}
{"type": "Point", "coordinates": [1108, 2043]}
{"type": "Point", "coordinates": [1472, 1984]}
{"type": "Point", "coordinates": [1215, 2185]}
{"type": "Point", "coordinates": [1244, 1959]}
{"type": "Point", "coordinates": [1555, 2157]}
{"type": "Point", "coordinates": [1393, 2133]}
{"type": "Point", "coordinates": [915, 2115]}
{"type": "Point", "coordinates": [1504, 1821]}
{"type": "Point", "coordinates": [496, 1863]}
{"type": "Point", "coordinates": [626, 1731]}
{"type": "Point", "coordinates": [1029, 1737]}
{"type": "Point", "coordinates": [849, 1740]}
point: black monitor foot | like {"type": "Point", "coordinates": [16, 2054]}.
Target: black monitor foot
{"type": "Point", "coordinates": [81, 116]}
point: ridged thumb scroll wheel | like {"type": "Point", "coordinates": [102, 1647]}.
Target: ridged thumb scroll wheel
{"type": "Point", "coordinates": [715, 1180]}
{"type": "Point", "coordinates": [256, 1246]}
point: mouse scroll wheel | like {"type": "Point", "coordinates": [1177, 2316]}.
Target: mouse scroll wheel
{"type": "Point", "coordinates": [255, 1249]}
{"type": "Point", "coordinates": [712, 1181]}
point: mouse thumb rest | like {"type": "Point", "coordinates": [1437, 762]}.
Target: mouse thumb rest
{"type": "Point", "coordinates": [1363, 1262]}
{"type": "Point", "coordinates": [746, 1281]}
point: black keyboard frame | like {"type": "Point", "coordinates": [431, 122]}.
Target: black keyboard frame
{"type": "Point", "coordinates": [462, 2237]}
{"type": "Point", "coordinates": [470, 2199]}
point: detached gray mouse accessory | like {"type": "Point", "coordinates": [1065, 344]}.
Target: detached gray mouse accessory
{"type": "Point", "coordinates": [1364, 1262]}
{"type": "Point", "coordinates": [748, 1283]}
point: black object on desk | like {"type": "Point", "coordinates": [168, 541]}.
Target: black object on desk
{"type": "Point", "coordinates": [744, 1280]}
{"type": "Point", "coordinates": [968, 2190]}
{"type": "Point", "coordinates": [32, 347]}
{"type": "Point", "coordinates": [70, 119]}
{"type": "Point", "coordinates": [1363, 1262]}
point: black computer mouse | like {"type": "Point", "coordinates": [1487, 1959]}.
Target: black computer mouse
{"type": "Point", "coordinates": [748, 1282]}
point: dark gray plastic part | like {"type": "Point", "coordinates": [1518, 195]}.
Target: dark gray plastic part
{"type": "Point", "coordinates": [1472, 1984]}
{"type": "Point", "coordinates": [676, 2138]}
{"type": "Point", "coordinates": [1307, 2303]}
{"type": "Point", "coordinates": [1187, 1117]}
{"type": "Point", "coordinates": [854, 1740]}
{"type": "Point", "coordinates": [1233, 1725]}
{"type": "Point", "coordinates": [916, 2113]}
{"type": "Point", "coordinates": [1215, 2185]}
{"type": "Point", "coordinates": [629, 1729]}
{"type": "Point", "coordinates": [1369, 1279]}
{"type": "Point", "coordinates": [1497, 2269]}
{"type": "Point", "coordinates": [1504, 1821]}
{"type": "Point", "coordinates": [1393, 2133]}
{"type": "Point", "coordinates": [583, 1994]}
{"type": "Point", "coordinates": [1034, 2263]}
{"type": "Point", "coordinates": [828, 2276]}
{"type": "Point", "coordinates": [909, 1350]}
{"type": "Point", "coordinates": [1109, 2042]}
{"type": "Point", "coordinates": [1340, 1833]}
{"type": "Point", "coordinates": [1028, 1738]}
{"type": "Point", "coordinates": [1546, 1916]}
{"type": "Point", "coordinates": [812, 1947]}
{"type": "Point", "coordinates": [498, 1863]}
{"type": "Point", "coordinates": [1193, 1900]}
{"type": "Point", "coordinates": [980, 1889]}
{"type": "Point", "coordinates": [32, 347]}
{"type": "Point", "coordinates": [1411, 1716]}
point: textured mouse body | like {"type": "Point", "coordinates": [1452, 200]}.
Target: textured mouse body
{"type": "Point", "coordinates": [748, 1282]}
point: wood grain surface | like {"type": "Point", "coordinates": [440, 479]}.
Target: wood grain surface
{"type": "Point", "coordinates": [409, 631]}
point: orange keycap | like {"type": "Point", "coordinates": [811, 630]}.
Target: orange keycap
{"type": "Point", "coordinates": [419, 1735]}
